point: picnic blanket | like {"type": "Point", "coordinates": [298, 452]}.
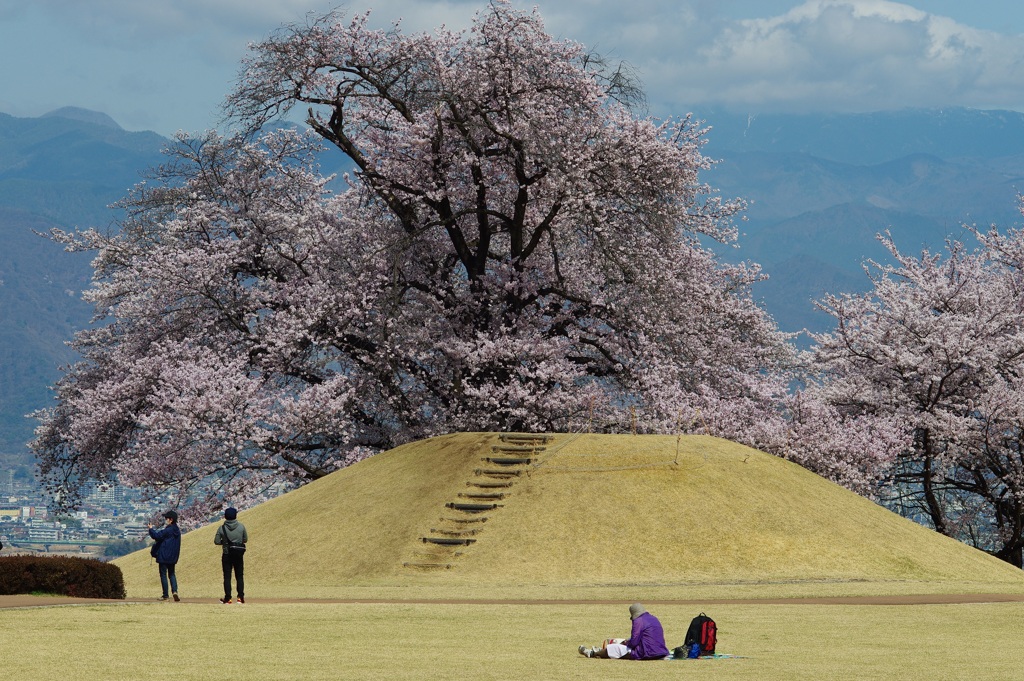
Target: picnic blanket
{"type": "Point", "coordinates": [715, 656]}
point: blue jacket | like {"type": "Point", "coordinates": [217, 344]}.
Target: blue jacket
{"type": "Point", "coordinates": [647, 639]}
{"type": "Point", "coordinates": [170, 543]}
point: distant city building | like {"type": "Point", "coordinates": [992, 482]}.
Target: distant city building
{"type": "Point", "coordinates": [45, 532]}
{"type": "Point", "coordinates": [107, 493]}
{"type": "Point", "coordinates": [135, 531]}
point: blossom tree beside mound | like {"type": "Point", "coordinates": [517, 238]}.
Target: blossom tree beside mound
{"type": "Point", "coordinates": [514, 250]}
{"type": "Point", "coordinates": [920, 391]}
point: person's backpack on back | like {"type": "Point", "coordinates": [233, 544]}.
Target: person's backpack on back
{"type": "Point", "coordinates": [703, 633]}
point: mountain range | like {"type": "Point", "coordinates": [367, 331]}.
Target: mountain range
{"type": "Point", "coordinates": [60, 170]}
{"type": "Point", "coordinates": [819, 189]}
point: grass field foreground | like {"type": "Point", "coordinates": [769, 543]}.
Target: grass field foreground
{"type": "Point", "coordinates": [594, 517]}
{"type": "Point", "coordinates": [186, 642]}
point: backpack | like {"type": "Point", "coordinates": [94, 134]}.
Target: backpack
{"type": "Point", "coordinates": [704, 632]}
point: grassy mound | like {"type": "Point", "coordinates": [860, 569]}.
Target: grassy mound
{"type": "Point", "coordinates": [588, 516]}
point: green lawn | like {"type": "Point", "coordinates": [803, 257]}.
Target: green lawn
{"type": "Point", "coordinates": [432, 641]}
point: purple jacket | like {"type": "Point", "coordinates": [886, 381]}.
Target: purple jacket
{"type": "Point", "coordinates": [647, 639]}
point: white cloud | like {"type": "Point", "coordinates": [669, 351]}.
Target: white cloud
{"type": "Point", "coordinates": [169, 64]}
{"type": "Point", "coordinates": [854, 55]}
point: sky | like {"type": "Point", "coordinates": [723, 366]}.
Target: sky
{"type": "Point", "coordinates": [167, 65]}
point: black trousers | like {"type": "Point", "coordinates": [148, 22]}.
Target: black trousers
{"type": "Point", "coordinates": [233, 561]}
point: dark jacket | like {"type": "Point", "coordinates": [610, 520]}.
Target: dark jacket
{"type": "Point", "coordinates": [231, 530]}
{"type": "Point", "coordinates": [170, 543]}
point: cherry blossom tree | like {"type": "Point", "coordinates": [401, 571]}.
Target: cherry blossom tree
{"type": "Point", "coordinates": [514, 250]}
{"type": "Point", "coordinates": [918, 390]}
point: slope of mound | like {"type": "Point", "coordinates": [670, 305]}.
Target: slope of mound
{"type": "Point", "coordinates": [476, 514]}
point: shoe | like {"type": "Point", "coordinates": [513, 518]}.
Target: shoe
{"type": "Point", "coordinates": [241, 600]}
{"type": "Point", "coordinates": [164, 598]}
{"type": "Point", "coordinates": [176, 599]}
{"type": "Point", "coordinates": [226, 601]}
{"type": "Point", "coordinates": [586, 652]}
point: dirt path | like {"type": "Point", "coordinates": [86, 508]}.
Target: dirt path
{"type": "Point", "coordinates": [27, 601]}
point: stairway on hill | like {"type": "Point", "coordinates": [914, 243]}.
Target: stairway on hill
{"type": "Point", "coordinates": [463, 522]}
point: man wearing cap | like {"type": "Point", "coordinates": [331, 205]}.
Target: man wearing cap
{"type": "Point", "coordinates": [233, 537]}
{"type": "Point", "coordinates": [168, 540]}
{"type": "Point", "coordinates": [646, 639]}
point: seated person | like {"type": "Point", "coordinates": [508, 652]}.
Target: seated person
{"type": "Point", "coordinates": [646, 640]}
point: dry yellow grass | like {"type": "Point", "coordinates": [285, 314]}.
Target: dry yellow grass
{"type": "Point", "coordinates": [617, 517]}
{"type": "Point", "coordinates": [598, 516]}
{"type": "Point", "coordinates": [399, 642]}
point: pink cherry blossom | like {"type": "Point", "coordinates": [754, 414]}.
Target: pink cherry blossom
{"type": "Point", "coordinates": [515, 250]}
{"type": "Point", "coordinates": [918, 392]}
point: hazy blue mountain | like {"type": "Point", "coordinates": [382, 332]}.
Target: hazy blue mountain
{"type": "Point", "coordinates": [794, 286]}
{"type": "Point", "coordinates": [821, 187]}
{"type": "Point", "coordinates": [781, 185]}
{"type": "Point", "coordinates": [85, 115]}
{"type": "Point", "coordinates": [60, 170]}
{"type": "Point", "coordinates": [870, 138]}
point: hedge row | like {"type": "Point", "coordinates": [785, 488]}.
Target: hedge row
{"type": "Point", "coordinates": [63, 575]}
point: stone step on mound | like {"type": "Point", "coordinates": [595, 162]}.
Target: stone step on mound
{"type": "Point", "coordinates": [525, 437]}
{"type": "Point", "coordinates": [497, 473]}
{"type": "Point", "coordinates": [427, 566]}
{"type": "Point", "coordinates": [465, 521]}
{"type": "Point", "coordinates": [471, 508]}
{"type": "Point", "coordinates": [516, 449]}
{"type": "Point", "coordinates": [447, 541]}
{"type": "Point", "coordinates": [482, 496]}
{"type": "Point", "coordinates": [509, 460]}
{"type": "Point", "coordinates": [490, 485]}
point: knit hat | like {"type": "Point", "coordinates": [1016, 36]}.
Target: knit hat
{"type": "Point", "coordinates": [172, 515]}
{"type": "Point", "coordinates": [636, 610]}
{"type": "Point", "coordinates": [230, 513]}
